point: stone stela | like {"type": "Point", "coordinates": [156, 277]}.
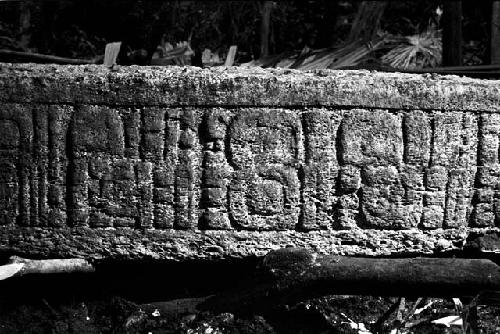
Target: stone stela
{"type": "Point", "coordinates": [191, 163]}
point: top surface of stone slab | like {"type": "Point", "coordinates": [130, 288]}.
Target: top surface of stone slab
{"type": "Point", "coordinates": [180, 86]}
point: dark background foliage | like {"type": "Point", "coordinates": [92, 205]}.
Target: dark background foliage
{"type": "Point", "coordinates": [81, 28]}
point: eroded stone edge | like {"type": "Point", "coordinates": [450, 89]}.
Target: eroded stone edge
{"type": "Point", "coordinates": [127, 244]}
{"type": "Point", "coordinates": [191, 86]}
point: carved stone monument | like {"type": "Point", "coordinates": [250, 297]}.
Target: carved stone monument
{"type": "Point", "coordinates": [186, 163]}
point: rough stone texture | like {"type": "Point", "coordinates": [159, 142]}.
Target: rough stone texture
{"type": "Point", "coordinates": [189, 86]}
{"type": "Point", "coordinates": [126, 243]}
{"type": "Point", "coordinates": [184, 163]}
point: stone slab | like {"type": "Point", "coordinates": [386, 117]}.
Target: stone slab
{"type": "Point", "coordinates": [169, 162]}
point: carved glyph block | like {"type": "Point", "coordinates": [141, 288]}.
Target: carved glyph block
{"type": "Point", "coordinates": [264, 152]}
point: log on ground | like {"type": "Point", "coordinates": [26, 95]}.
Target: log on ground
{"type": "Point", "coordinates": [292, 275]}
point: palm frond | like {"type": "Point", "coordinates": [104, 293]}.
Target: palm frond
{"type": "Point", "coordinates": [416, 51]}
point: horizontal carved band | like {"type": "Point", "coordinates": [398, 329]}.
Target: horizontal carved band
{"type": "Point", "coordinates": [254, 169]}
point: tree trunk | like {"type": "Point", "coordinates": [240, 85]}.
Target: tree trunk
{"type": "Point", "coordinates": [452, 33]}
{"type": "Point", "coordinates": [265, 25]}
{"type": "Point", "coordinates": [495, 32]}
{"type": "Point", "coordinates": [25, 23]}
{"type": "Point", "coordinates": [367, 21]}
{"type": "Point", "coordinates": [48, 15]}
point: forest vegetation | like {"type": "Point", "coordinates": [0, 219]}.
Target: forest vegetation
{"type": "Point", "coordinates": [296, 34]}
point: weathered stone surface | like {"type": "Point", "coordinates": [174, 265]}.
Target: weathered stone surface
{"type": "Point", "coordinates": [174, 163]}
{"type": "Point", "coordinates": [320, 171]}
{"type": "Point", "coordinates": [265, 149]}
{"type": "Point", "coordinates": [126, 243]}
{"type": "Point", "coordinates": [191, 86]}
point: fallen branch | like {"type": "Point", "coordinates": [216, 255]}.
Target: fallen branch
{"type": "Point", "coordinates": [290, 275]}
{"type": "Point", "coordinates": [29, 57]}
{"type": "Point", "coordinates": [18, 266]}
{"type": "Point", "coordinates": [295, 275]}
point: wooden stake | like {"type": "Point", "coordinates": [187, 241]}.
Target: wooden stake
{"type": "Point", "coordinates": [230, 55]}
{"type": "Point", "coordinates": [111, 54]}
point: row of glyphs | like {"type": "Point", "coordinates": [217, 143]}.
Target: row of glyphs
{"type": "Point", "coordinates": [247, 168]}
